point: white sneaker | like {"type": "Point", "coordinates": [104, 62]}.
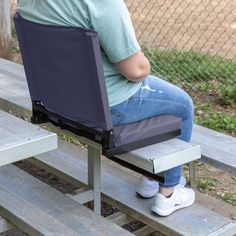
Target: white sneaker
{"type": "Point", "coordinates": [180, 198]}
{"type": "Point", "coordinates": [148, 188]}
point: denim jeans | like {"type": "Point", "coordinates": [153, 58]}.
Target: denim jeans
{"type": "Point", "coordinates": [158, 97]}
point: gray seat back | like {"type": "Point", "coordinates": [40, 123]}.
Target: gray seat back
{"type": "Point", "coordinates": [64, 71]}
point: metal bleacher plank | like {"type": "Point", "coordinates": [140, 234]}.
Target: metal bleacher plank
{"type": "Point", "coordinates": [38, 209]}
{"type": "Point", "coordinates": [119, 218]}
{"type": "Point", "coordinates": [218, 149]}
{"type": "Point", "coordinates": [25, 216]}
{"type": "Point", "coordinates": [5, 225]}
{"type": "Point", "coordinates": [118, 187]}
{"type": "Point", "coordinates": [162, 156]}
{"type": "Point", "coordinates": [21, 140]}
{"type": "Point", "coordinates": [155, 158]}
{"type": "Point", "coordinates": [146, 230]}
{"type": "Point", "coordinates": [19, 101]}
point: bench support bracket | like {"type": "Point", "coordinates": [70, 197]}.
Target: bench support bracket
{"type": "Point", "coordinates": [94, 176]}
{"type": "Point", "coordinates": [192, 175]}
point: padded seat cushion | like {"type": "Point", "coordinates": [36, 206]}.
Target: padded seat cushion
{"type": "Point", "coordinates": [133, 132]}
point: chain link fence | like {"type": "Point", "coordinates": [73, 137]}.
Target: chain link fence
{"type": "Point", "coordinates": [192, 43]}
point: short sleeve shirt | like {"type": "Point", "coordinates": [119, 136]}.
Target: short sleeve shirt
{"type": "Point", "coordinates": [110, 18]}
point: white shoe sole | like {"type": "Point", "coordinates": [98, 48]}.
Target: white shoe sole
{"type": "Point", "coordinates": [166, 212]}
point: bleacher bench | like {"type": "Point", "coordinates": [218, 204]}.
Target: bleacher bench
{"type": "Point", "coordinates": [119, 184]}
{"type": "Point", "coordinates": [39, 209]}
{"type": "Point", "coordinates": [216, 148]}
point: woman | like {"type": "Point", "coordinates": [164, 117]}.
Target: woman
{"type": "Point", "coordinates": [133, 94]}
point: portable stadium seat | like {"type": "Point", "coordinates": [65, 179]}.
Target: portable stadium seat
{"type": "Point", "coordinates": [65, 76]}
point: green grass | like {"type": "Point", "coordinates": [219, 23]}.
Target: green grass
{"type": "Point", "coordinates": [13, 31]}
{"type": "Point", "coordinates": [69, 138]}
{"type": "Point", "coordinates": [230, 198]}
{"type": "Point", "coordinates": [192, 69]}
{"type": "Point", "coordinates": [210, 80]}
{"type": "Point", "coordinates": [206, 183]}
{"type": "Point", "coordinates": [218, 121]}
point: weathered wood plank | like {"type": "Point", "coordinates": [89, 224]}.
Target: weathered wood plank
{"type": "Point", "coordinates": [11, 99]}
{"type": "Point", "coordinates": [39, 209]}
{"type": "Point", "coordinates": [21, 140]}
{"type": "Point", "coordinates": [118, 187]}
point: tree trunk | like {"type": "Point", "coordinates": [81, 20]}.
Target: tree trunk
{"type": "Point", "coordinates": [5, 29]}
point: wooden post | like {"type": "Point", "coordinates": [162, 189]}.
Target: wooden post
{"type": "Point", "coordinates": [5, 29]}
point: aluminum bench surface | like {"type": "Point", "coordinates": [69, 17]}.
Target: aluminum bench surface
{"type": "Point", "coordinates": [162, 156]}
{"type": "Point", "coordinates": [118, 187]}
{"type": "Point", "coordinates": [119, 191]}
{"type": "Point", "coordinates": [155, 158]}
{"type": "Point", "coordinates": [216, 147]}
{"type": "Point", "coordinates": [39, 209]}
{"type": "Point", "coordinates": [20, 139]}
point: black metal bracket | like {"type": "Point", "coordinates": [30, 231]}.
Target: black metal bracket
{"type": "Point", "coordinates": [41, 115]}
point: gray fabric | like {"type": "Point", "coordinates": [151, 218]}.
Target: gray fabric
{"type": "Point", "coordinates": [64, 71]}
{"type": "Point", "coordinates": [124, 134]}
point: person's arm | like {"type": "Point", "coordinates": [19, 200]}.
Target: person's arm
{"type": "Point", "coordinates": [118, 40]}
{"type": "Point", "coordinates": [135, 68]}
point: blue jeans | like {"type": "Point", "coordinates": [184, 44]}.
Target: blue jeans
{"type": "Point", "coordinates": [158, 97]}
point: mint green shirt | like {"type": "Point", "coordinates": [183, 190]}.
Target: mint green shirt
{"type": "Point", "coordinates": [110, 18]}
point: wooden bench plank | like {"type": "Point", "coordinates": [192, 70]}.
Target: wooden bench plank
{"type": "Point", "coordinates": [21, 104]}
{"type": "Point", "coordinates": [118, 186]}
{"type": "Point", "coordinates": [20, 139]}
{"type": "Point", "coordinates": [39, 209]}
